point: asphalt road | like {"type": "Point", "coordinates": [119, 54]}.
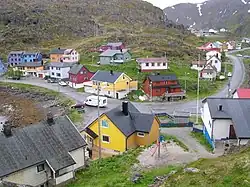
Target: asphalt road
{"type": "Point", "coordinates": [91, 113]}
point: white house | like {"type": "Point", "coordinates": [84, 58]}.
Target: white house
{"type": "Point", "coordinates": [152, 64]}
{"type": "Point", "coordinates": [216, 62]}
{"type": "Point", "coordinates": [208, 72]}
{"type": "Point", "coordinates": [70, 56]}
{"type": "Point", "coordinates": [226, 119]}
{"type": "Point", "coordinates": [245, 40]}
{"type": "Point", "coordinates": [212, 31]}
{"type": "Point", "coordinates": [59, 70]}
{"type": "Point", "coordinates": [223, 30]}
{"type": "Point", "coordinates": [198, 65]}
{"type": "Point", "coordinates": [210, 54]}
{"type": "Point", "coordinates": [230, 46]}
{"type": "Point", "coordinates": [43, 155]}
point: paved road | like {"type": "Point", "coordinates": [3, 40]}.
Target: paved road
{"type": "Point", "coordinates": [91, 113]}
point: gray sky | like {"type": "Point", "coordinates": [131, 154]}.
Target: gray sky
{"type": "Point", "coordinates": [166, 3]}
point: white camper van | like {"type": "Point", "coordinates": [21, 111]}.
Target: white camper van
{"type": "Point", "coordinates": [93, 101]}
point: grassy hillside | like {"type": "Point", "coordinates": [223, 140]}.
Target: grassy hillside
{"type": "Point", "coordinates": [227, 171]}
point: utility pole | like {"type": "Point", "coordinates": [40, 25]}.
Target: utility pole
{"type": "Point", "coordinates": [151, 94]}
{"type": "Point", "coordinates": [99, 120]}
{"type": "Point", "coordinates": [198, 91]}
{"type": "Point", "coordinates": [159, 144]}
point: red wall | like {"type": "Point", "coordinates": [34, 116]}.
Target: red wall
{"type": "Point", "coordinates": [80, 78]}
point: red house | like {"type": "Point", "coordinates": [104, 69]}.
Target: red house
{"type": "Point", "coordinates": [163, 87]}
{"type": "Point", "coordinates": [79, 74]}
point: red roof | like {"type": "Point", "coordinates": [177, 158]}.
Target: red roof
{"type": "Point", "coordinates": [243, 93]}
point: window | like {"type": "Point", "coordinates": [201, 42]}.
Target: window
{"type": "Point", "coordinates": [123, 77]}
{"type": "Point", "coordinates": [57, 68]}
{"type": "Point", "coordinates": [51, 67]}
{"type": "Point", "coordinates": [81, 72]}
{"type": "Point", "coordinates": [147, 64]}
{"type": "Point", "coordinates": [105, 124]}
{"type": "Point", "coordinates": [216, 61]}
{"type": "Point", "coordinates": [164, 64]}
{"type": "Point", "coordinates": [107, 84]}
{"type": "Point", "coordinates": [140, 134]}
{"type": "Point", "coordinates": [42, 185]}
{"type": "Point", "coordinates": [159, 64]}
{"type": "Point", "coordinates": [105, 138]}
{"type": "Point", "coordinates": [58, 74]}
{"type": "Point", "coordinates": [109, 92]}
{"type": "Point", "coordinates": [153, 64]}
{"type": "Point", "coordinates": [40, 168]}
{"type": "Point", "coordinates": [53, 73]}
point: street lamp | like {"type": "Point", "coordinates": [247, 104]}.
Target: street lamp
{"type": "Point", "coordinates": [198, 91]}
{"type": "Point", "coordinates": [186, 80]}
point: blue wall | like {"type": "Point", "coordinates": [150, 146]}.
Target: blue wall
{"type": "Point", "coordinates": [32, 57]}
{"type": "Point", "coordinates": [3, 69]}
{"type": "Point", "coordinates": [22, 57]}
{"type": "Point", "coordinates": [208, 138]}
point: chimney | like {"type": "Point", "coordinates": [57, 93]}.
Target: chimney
{"type": "Point", "coordinates": [220, 107]}
{"type": "Point", "coordinates": [7, 130]}
{"type": "Point", "coordinates": [50, 119]}
{"type": "Point", "coordinates": [111, 72]}
{"type": "Point", "coordinates": [125, 108]}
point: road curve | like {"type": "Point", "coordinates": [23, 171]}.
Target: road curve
{"type": "Point", "coordinates": [91, 113]}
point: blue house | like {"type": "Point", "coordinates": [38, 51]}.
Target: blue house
{"type": "Point", "coordinates": [3, 67]}
{"type": "Point", "coordinates": [18, 57]}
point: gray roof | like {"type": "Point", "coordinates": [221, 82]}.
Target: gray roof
{"type": "Point", "coordinates": [237, 110]}
{"type": "Point", "coordinates": [156, 78]}
{"type": "Point", "coordinates": [57, 51]}
{"type": "Point", "coordinates": [60, 64]}
{"type": "Point", "coordinates": [114, 44]}
{"type": "Point", "coordinates": [110, 52]}
{"type": "Point", "coordinates": [106, 76]}
{"type": "Point", "coordinates": [29, 64]}
{"type": "Point", "coordinates": [16, 52]}
{"type": "Point", "coordinates": [76, 68]}
{"type": "Point", "coordinates": [134, 122]}
{"type": "Point", "coordinates": [35, 144]}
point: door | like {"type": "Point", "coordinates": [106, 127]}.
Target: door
{"type": "Point", "coordinates": [117, 95]}
{"type": "Point", "coordinates": [232, 134]}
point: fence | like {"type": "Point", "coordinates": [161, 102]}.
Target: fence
{"type": "Point", "coordinates": [172, 124]}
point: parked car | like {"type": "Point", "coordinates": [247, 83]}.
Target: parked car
{"type": "Point", "coordinates": [51, 80]}
{"type": "Point", "coordinates": [239, 55]}
{"type": "Point", "coordinates": [80, 107]}
{"type": "Point", "coordinates": [229, 74]}
{"type": "Point", "coordinates": [62, 83]}
{"type": "Point", "coordinates": [93, 101]}
{"type": "Point", "coordinates": [246, 56]}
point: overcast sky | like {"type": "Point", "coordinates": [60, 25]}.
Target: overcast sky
{"type": "Point", "coordinates": [165, 3]}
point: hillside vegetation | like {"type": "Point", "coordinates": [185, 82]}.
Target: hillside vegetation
{"type": "Point", "coordinates": [227, 171]}
{"type": "Point", "coordinates": [83, 24]}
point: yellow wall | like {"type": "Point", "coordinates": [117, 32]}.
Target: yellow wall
{"type": "Point", "coordinates": [55, 57]}
{"type": "Point", "coordinates": [131, 141]}
{"type": "Point", "coordinates": [120, 84]}
{"type": "Point", "coordinates": [116, 137]}
{"type": "Point", "coordinates": [149, 138]}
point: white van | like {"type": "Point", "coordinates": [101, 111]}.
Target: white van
{"type": "Point", "coordinates": [93, 101]}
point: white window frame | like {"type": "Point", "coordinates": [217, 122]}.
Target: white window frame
{"type": "Point", "coordinates": [104, 126]}
{"type": "Point", "coordinates": [141, 134]}
{"type": "Point", "coordinates": [106, 136]}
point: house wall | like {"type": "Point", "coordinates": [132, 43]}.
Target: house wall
{"type": "Point", "coordinates": [221, 128]}
{"type": "Point", "coordinates": [195, 67]}
{"type": "Point", "coordinates": [105, 60]}
{"type": "Point", "coordinates": [208, 75]}
{"type": "Point", "coordinates": [235, 95]}
{"type": "Point", "coordinates": [72, 57]}
{"type": "Point", "coordinates": [206, 118]}
{"type": "Point", "coordinates": [64, 178]}
{"type": "Point", "coordinates": [210, 54]}
{"type": "Point", "coordinates": [29, 176]}
{"type": "Point", "coordinates": [83, 76]}
{"type": "Point", "coordinates": [125, 56]}
{"type": "Point", "coordinates": [157, 66]}
{"type": "Point", "coordinates": [63, 71]}
{"type": "Point", "coordinates": [78, 155]}
{"type": "Point", "coordinates": [56, 57]}
{"type": "Point", "coordinates": [36, 57]}
{"type": "Point", "coordinates": [151, 137]}
{"type": "Point", "coordinates": [14, 59]}
{"type": "Point", "coordinates": [215, 62]}
{"type": "Point", "coordinates": [131, 141]}
{"type": "Point", "coordinates": [116, 137]}
{"type": "Point", "coordinates": [3, 69]}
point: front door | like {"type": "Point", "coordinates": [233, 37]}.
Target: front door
{"type": "Point", "coordinates": [117, 95]}
{"type": "Point", "coordinates": [232, 134]}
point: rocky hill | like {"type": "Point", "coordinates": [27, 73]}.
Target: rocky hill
{"type": "Point", "coordinates": [43, 24]}
{"type": "Point", "coordinates": [231, 14]}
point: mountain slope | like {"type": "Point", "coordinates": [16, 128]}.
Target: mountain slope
{"type": "Point", "coordinates": [231, 14]}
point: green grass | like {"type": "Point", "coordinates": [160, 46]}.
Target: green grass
{"type": "Point", "coordinates": [116, 172]}
{"type": "Point", "coordinates": [176, 140]}
{"type": "Point", "coordinates": [80, 89]}
{"type": "Point", "coordinates": [193, 119]}
{"type": "Point", "coordinates": [202, 140]}
{"type": "Point", "coordinates": [226, 171]}
{"type": "Point", "coordinates": [247, 73]}
{"type": "Point", "coordinates": [75, 116]}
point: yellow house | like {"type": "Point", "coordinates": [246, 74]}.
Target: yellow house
{"type": "Point", "coordinates": [111, 84]}
{"type": "Point", "coordinates": [30, 68]}
{"type": "Point", "coordinates": [123, 129]}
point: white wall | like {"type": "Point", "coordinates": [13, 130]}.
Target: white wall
{"type": "Point", "coordinates": [235, 95]}
{"type": "Point", "coordinates": [63, 71]}
{"type": "Point", "coordinates": [155, 67]}
{"type": "Point", "coordinates": [29, 176]}
{"type": "Point", "coordinates": [74, 85]}
{"type": "Point", "coordinates": [206, 118]}
{"type": "Point", "coordinates": [72, 57]}
{"type": "Point", "coordinates": [217, 65]}
{"type": "Point", "coordinates": [195, 67]}
{"type": "Point", "coordinates": [221, 128]}
{"type": "Point", "coordinates": [209, 76]}
{"type": "Point", "coordinates": [64, 178]}
{"type": "Point", "coordinates": [212, 53]}
{"type": "Point", "coordinates": [78, 156]}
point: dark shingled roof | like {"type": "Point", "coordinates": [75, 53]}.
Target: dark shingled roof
{"type": "Point", "coordinates": [106, 76]}
{"type": "Point", "coordinates": [134, 122]}
{"type": "Point", "coordinates": [35, 144]}
{"type": "Point", "coordinates": [29, 64]}
{"type": "Point", "coordinates": [57, 51]}
{"type": "Point", "coordinates": [237, 110]}
{"type": "Point", "coordinates": [75, 69]}
{"type": "Point", "coordinates": [156, 78]}
{"type": "Point", "coordinates": [60, 64]}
